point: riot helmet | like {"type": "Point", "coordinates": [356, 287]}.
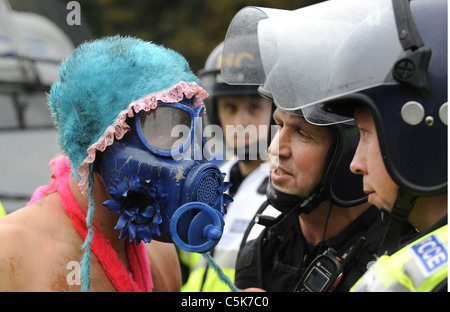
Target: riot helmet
{"type": "Point", "coordinates": [389, 55]}
{"type": "Point", "coordinates": [211, 80]}
{"type": "Point", "coordinates": [338, 184]}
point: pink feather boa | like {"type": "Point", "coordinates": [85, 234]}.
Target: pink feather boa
{"type": "Point", "coordinates": [140, 279]}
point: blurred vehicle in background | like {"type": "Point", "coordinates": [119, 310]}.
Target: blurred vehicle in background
{"type": "Point", "coordinates": [34, 38]}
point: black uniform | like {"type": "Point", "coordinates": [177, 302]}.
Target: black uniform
{"type": "Point", "coordinates": [277, 260]}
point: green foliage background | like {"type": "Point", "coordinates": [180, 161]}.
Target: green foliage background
{"type": "Point", "coordinates": [190, 27]}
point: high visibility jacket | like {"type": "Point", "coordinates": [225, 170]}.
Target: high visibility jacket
{"type": "Point", "coordinates": [421, 266]}
{"type": "Point", "coordinates": [240, 212]}
{"type": "Point", "coordinates": [2, 211]}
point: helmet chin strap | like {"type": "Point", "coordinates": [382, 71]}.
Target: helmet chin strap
{"type": "Point", "coordinates": [284, 202]}
{"type": "Point", "coordinates": [291, 206]}
{"type": "Point", "coordinates": [397, 222]}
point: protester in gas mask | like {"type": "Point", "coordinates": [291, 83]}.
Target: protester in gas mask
{"type": "Point", "coordinates": [132, 180]}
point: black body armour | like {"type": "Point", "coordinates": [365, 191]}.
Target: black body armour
{"type": "Point", "coordinates": [277, 259]}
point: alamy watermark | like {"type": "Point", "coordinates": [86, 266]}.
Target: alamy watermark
{"type": "Point", "coordinates": [73, 277]}
{"type": "Point", "coordinates": [250, 142]}
{"type": "Point", "coordinates": [74, 15]}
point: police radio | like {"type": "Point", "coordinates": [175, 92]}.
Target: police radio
{"type": "Point", "coordinates": [323, 274]}
{"type": "Point", "coordinates": [326, 270]}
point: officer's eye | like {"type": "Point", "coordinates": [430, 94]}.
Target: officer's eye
{"type": "Point", "coordinates": [230, 107]}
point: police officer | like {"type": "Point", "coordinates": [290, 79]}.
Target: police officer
{"type": "Point", "coordinates": [407, 178]}
{"type": "Point", "coordinates": [385, 64]}
{"type": "Point", "coordinates": [244, 118]}
{"type": "Point", "coordinates": [316, 232]}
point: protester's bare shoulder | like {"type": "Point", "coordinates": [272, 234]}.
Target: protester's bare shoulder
{"type": "Point", "coordinates": [164, 266]}
{"type": "Point", "coordinates": [33, 221]}
{"type": "Point", "coordinates": [14, 248]}
{"type": "Point", "coordinates": [30, 239]}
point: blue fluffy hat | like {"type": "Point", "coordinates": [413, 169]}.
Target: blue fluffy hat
{"type": "Point", "coordinates": [101, 79]}
{"type": "Point", "coordinates": [101, 84]}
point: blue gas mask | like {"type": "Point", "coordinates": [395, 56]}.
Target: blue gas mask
{"type": "Point", "coordinates": [160, 181]}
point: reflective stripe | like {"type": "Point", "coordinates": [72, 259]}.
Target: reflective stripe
{"type": "Point", "coordinates": [189, 259]}
{"type": "Point", "coordinates": [420, 266]}
{"type": "Point", "coordinates": [257, 229]}
{"type": "Point", "coordinates": [2, 211]}
{"type": "Point", "coordinates": [211, 283]}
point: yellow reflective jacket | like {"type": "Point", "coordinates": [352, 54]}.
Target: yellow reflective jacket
{"type": "Point", "coordinates": [200, 280]}
{"type": "Point", "coordinates": [418, 267]}
{"type": "Point", "coordinates": [2, 211]}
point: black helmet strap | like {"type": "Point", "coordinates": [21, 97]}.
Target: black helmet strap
{"type": "Point", "coordinates": [398, 223]}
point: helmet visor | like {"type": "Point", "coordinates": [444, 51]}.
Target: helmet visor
{"type": "Point", "coordinates": [304, 53]}
{"type": "Point", "coordinates": [241, 61]}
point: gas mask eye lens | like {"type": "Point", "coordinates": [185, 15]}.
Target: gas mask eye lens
{"type": "Point", "coordinates": [157, 125]}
